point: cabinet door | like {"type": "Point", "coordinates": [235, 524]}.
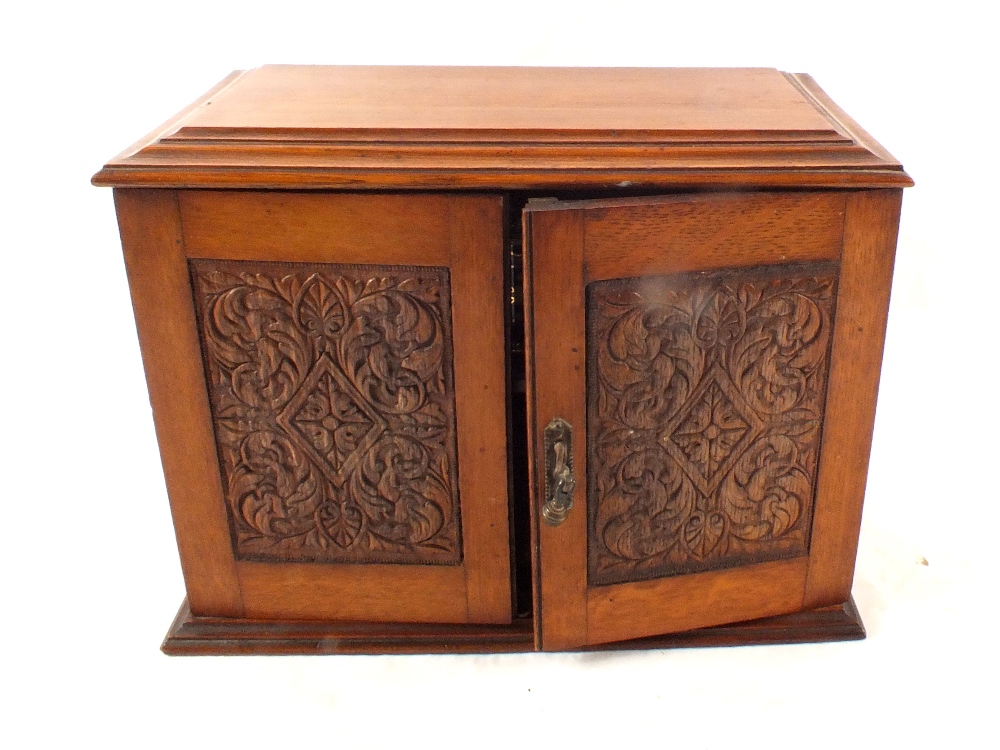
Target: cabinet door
{"type": "Point", "coordinates": [346, 460]}
{"type": "Point", "coordinates": [706, 368]}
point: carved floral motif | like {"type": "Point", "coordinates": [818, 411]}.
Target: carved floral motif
{"type": "Point", "coordinates": [333, 404]}
{"type": "Point", "coordinates": [704, 418]}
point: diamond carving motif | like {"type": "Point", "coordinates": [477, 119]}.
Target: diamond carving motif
{"type": "Point", "coordinates": [334, 409]}
{"type": "Point", "coordinates": [711, 430]}
{"type": "Point", "coordinates": [328, 418]}
{"type": "Point", "coordinates": [705, 404]}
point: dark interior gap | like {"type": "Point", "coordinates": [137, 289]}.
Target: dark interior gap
{"type": "Point", "coordinates": [518, 433]}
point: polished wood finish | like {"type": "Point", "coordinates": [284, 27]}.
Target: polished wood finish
{"type": "Point", "coordinates": [624, 611]}
{"type": "Point", "coordinates": [372, 99]}
{"type": "Point", "coordinates": [557, 388]}
{"type": "Point", "coordinates": [647, 241]}
{"type": "Point", "coordinates": [316, 228]}
{"type": "Point", "coordinates": [673, 234]}
{"type": "Point", "coordinates": [478, 277]}
{"type": "Point", "coordinates": [839, 622]}
{"type": "Point", "coordinates": [190, 635]}
{"type": "Point", "coordinates": [870, 229]}
{"type": "Point", "coordinates": [410, 128]}
{"type": "Point", "coordinates": [150, 225]}
{"type": "Point", "coordinates": [290, 199]}
{"type": "Point", "coordinates": [313, 230]}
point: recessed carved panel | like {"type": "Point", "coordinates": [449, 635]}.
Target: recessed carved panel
{"type": "Point", "coordinates": [334, 409]}
{"type": "Point", "coordinates": [705, 409]}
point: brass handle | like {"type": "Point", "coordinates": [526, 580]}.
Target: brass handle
{"type": "Point", "coordinates": [559, 480]}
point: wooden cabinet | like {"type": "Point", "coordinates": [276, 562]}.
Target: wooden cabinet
{"type": "Point", "coordinates": [492, 359]}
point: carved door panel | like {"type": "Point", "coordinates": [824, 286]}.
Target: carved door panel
{"type": "Point", "coordinates": [353, 350]}
{"type": "Point", "coordinates": [687, 341]}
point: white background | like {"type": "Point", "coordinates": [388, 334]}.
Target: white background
{"type": "Point", "coordinates": [90, 570]}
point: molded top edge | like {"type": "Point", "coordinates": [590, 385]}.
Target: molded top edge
{"type": "Point", "coordinates": [343, 126]}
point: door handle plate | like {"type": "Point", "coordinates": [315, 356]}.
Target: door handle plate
{"type": "Point", "coordinates": [559, 479]}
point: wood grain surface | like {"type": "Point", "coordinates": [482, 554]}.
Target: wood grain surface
{"type": "Point", "coordinates": [753, 101]}
{"type": "Point", "coordinates": [476, 247]}
{"type": "Point", "coordinates": [642, 241]}
{"type": "Point", "coordinates": [508, 128]}
{"type": "Point", "coordinates": [714, 270]}
{"type": "Point", "coordinates": [190, 635]}
{"type": "Point", "coordinates": [859, 335]}
{"type": "Point", "coordinates": [671, 605]}
{"type": "Point", "coordinates": [150, 226]}
{"type": "Point", "coordinates": [673, 234]}
{"type": "Point", "coordinates": [557, 390]}
{"type": "Point", "coordinates": [314, 233]}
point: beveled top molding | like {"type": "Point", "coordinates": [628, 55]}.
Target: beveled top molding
{"type": "Point", "coordinates": [347, 127]}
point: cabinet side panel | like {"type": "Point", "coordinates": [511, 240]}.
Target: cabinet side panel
{"type": "Point", "coordinates": [165, 319]}
{"type": "Point", "coordinates": [479, 300]}
{"type": "Point", "coordinates": [870, 230]}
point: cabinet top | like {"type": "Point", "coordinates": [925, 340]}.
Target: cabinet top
{"type": "Point", "coordinates": [507, 128]}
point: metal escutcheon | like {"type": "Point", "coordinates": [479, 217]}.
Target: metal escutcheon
{"type": "Point", "coordinates": [559, 481]}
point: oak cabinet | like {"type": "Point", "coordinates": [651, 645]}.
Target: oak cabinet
{"type": "Point", "coordinates": [507, 359]}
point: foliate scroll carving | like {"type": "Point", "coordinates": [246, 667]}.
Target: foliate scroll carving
{"type": "Point", "coordinates": [334, 409]}
{"type": "Point", "coordinates": [705, 405]}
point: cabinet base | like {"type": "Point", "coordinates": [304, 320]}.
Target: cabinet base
{"type": "Point", "coordinates": [192, 635]}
